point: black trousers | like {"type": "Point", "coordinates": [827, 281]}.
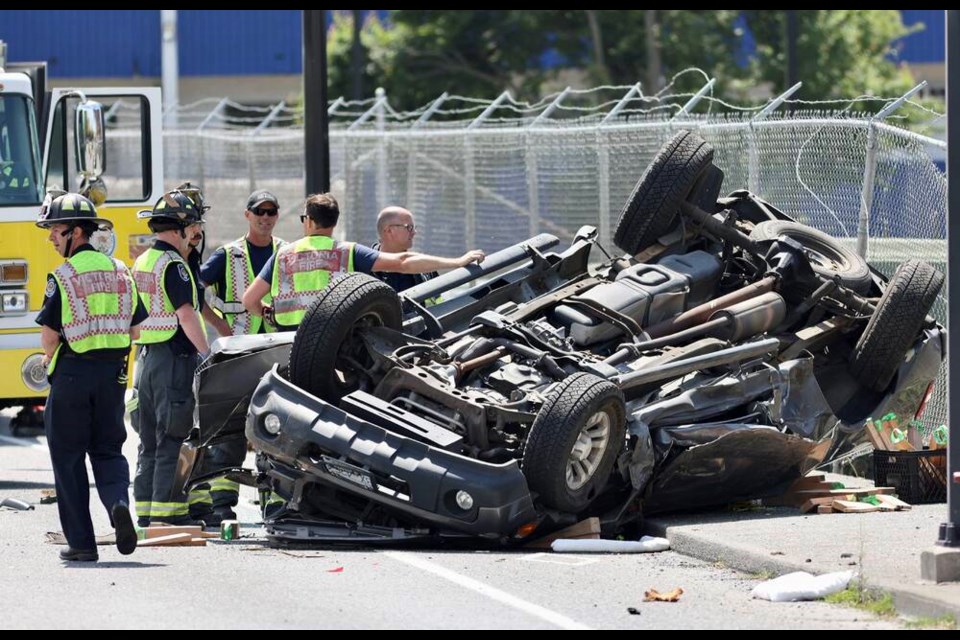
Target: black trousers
{"type": "Point", "coordinates": [164, 384]}
{"type": "Point", "coordinates": [84, 416]}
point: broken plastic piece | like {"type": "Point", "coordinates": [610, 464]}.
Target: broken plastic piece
{"type": "Point", "coordinates": [13, 503]}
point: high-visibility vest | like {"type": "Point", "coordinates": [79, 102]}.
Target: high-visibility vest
{"type": "Point", "coordinates": [238, 276]}
{"type": "Point", "coordinates": [97, 303]}
{"type": "Point", "coordinates": [148, 270]}
{"type": "Point", "coordinates": [302, 270]}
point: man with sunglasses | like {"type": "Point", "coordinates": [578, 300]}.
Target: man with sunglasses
{"type": "Point", "coordinates": [232, 267]}
{"type": "Point", "coordinates": [396, 231]}
{"type": "Point", "coordinates": [228, 272]}
{"type": "Point", "coordinates": [300, 270]}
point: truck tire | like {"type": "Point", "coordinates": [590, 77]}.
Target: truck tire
{"type": "Point", "coordinates": [828, 257]}
{"type": "Point", "coordinates": [652, 208]}
{"type": "Point", "coordinates": [574, 442]}
{"type": "Point", "coordinates": [325, 343]}
{"type": "Point", "coordinates": [894, 325]}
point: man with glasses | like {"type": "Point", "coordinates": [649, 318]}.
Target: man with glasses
{"type": "Point", "coordinates": [300, 270]}
{"type": "Point", "coordinates": [396, 230]}
{"type": "Point", "coordinates": [228, 272]}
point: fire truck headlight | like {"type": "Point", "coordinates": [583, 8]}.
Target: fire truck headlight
{"type": "Point", "coordinates": [14, 302]}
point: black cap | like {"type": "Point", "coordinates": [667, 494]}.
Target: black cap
{"type": "Point", "coordinates": [257, 198]}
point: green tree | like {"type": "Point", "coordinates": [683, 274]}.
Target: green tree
{"type": "Point", "coordinates": [422, 53]}
{"type": "Point", "coordinates": [842, 53]}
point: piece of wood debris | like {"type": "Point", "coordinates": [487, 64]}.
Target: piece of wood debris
{"type": "Point", "coordinates": [825, 508]}
{"type": "Point", "coordinates": [894, 502]}
{"type": "Point", "coordinates": [847, 506]}
{"type": "Point", "coordinates": [588, 529]}
{"type": "Point", "coordinates": [171, 539]}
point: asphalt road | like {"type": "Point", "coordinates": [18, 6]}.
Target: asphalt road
{"type": "Point", "coordinates": [247, 584]}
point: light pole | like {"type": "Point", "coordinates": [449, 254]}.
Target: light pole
{"type": "Point", "coordinates": [316, 133]}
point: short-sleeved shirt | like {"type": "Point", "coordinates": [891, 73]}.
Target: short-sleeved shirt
{"type": "Point", "coordinates": [363, 260]}
{"type": "Point", "coordinates": [176, 282]}
{"type": "Point", "coordinates": [50, 316]}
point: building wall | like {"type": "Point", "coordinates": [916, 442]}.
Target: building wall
{"type": "Point", "coordinates": [241, 48]}
{"type": "Point", "coordinates": [126, 43]}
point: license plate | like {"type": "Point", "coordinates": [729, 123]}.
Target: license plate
{"type": "Point", "coordinates": [348, 472]}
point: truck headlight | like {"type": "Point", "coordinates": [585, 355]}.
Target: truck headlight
{"type": "Point", "coordinates": [14, 302]}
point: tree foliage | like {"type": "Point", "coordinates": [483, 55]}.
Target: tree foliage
{"type": "Point", "coordinates": [419, 54]}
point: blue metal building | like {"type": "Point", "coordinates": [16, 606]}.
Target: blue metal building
{"type": "Point", "coordinates": [126, 43]}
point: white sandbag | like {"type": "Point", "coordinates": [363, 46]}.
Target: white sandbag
{"type": "Point", "coordinates": [646, 544]}
{"type": "Point", "coordinates": [801, 586]}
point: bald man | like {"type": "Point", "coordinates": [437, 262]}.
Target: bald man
{"type": "Point", "coordinates": [396, 230]}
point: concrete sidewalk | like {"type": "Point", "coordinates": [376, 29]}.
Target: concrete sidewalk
{"type": "Point", "coordinates": [883, 547]}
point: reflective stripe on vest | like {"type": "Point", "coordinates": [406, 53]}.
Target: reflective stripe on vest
{"type": "Point", "coordinates": [238, 276]}
{"type": "Point", "coordinates": [302, 270]}
{"type": "Point", "coordinates": [161, 323]}
{"type": "Point", "coordinates": [97, 298]}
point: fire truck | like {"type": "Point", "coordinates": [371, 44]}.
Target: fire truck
{"type": "Point", "coordinates": [105, 142]}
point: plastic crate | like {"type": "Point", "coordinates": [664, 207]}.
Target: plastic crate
{"type": "Point", "coordinates": [920, 477]}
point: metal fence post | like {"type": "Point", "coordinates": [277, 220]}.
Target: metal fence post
{"type": "Point", "coordinates": [200, 127]}
{"type": "Point", "coordinates": [411, 200]}
{"type": "Point", "coordinates": [251, 142]}
{"type": "Point", "coordinates": [603, 162]}
{"type": "Point", "coordinates": [470, 171]}
{"type": "Point", "coordinates": [532, 161]}
{"type": "Point", "coordinates": [381, 148]}
{"type": "Point", "coordinates": [870, 169]}
{"type": "Point", "coordinates": [753, 160]}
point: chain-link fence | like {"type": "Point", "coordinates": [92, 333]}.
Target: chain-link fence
{"type": "Point", "coordinates": [485, 174]}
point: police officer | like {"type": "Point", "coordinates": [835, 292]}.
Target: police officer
{"type": "Point", "coordinates": [229, 271]}
{"type": "Point", "coordinates": [173, 342]}
{"type": "Point", "coordinates": [89, 315]}
{"type": "Point", "coordinates": [300, 270]}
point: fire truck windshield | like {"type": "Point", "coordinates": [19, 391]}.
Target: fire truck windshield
{"type": "Point", "coordinates": [19, 152]}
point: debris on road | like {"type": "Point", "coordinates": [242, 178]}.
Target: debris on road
{"type": "Point", "coordinates": [646, 544]}
{"type": "Point", "coordinates": [15, 504]}
{"type": "Point", "coordinates": [652, 595]}
{"type": "Point", "coordinates": [801, 585]}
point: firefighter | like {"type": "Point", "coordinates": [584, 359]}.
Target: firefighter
{"type": "Point", "coordinates": [173, 344]}
{"type": "Point", "coordinates": [303, 268]}
{"type": "Point", "coordinates": [90, 313]}
{"type": "Point", "coordinates": [229, 271]}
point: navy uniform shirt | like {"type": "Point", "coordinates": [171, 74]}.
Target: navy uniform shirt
{"type": "Point", "coordinates": [50, 316]}
{"type": "Point", "coordinates": [402, 281]}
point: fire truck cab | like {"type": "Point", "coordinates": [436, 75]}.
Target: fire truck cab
{"type": "Point", "coordinates": [106, 142]}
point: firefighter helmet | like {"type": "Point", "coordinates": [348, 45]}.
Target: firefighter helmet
{"type": "Point", "coordinates": [69, 208]}
{"type": "Point", "coordinates": [174, 206]}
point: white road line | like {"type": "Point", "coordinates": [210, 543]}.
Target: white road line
{"type": "Point", "coordinates": [553, 558]}
{"type": "Point", "coordinates": [491, 592]}
{"type": "Point", "coordinates": [21, 443]}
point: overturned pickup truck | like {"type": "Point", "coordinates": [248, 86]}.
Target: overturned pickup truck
{"type": "Point", "coordinates": [730, 351]}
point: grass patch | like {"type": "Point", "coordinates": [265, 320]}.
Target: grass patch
{"type": "Point", "coordinates": [943, 622]}
{"type": "Point", "coordinates": [877, 603]}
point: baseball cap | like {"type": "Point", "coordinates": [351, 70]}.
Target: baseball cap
{"type": "Point", "coordinates": [258, 197]}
